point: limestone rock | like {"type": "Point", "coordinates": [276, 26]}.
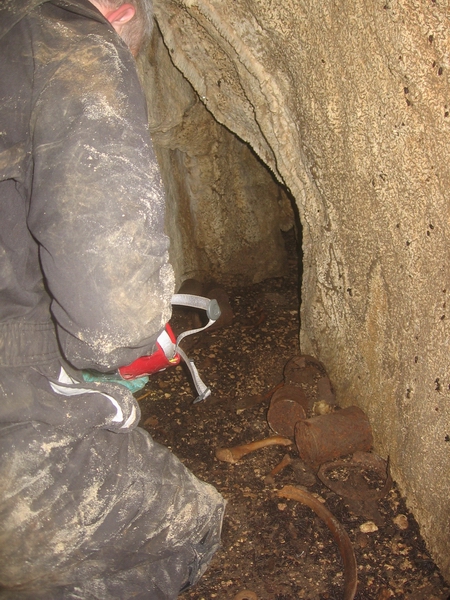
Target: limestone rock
{"type": "Point", "coordinates": [348, 105]}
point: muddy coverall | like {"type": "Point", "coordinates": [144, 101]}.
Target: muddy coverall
{"type": "Point", "coordinates": [90, 506]}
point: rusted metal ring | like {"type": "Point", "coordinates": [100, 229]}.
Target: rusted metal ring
{"type": "Point", "coordinates": [360, 460]}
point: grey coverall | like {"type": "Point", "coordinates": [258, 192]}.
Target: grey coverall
{"type": "Point", "coordinates": [90, 506]}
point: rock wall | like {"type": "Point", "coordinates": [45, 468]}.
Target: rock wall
{"type": "Point", "coordinates": [225, 209]}
{"type": "Point", "coordinates": [348, 104]}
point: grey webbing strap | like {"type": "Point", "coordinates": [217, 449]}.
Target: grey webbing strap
{"type": "Point", "coordinates": [192, 331]}
{"type": "Point", "coordinates": [212, 309]}
{"type": "Point", "coordinates": [211, 306]}
{"type": "Point", "coordinates": [202, 390]}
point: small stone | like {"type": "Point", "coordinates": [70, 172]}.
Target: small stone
{"type": "Point", "coordinates": [368, 527]}
{"type": "Point", "coordinates": [401, 521]}
{"type": "Point", "coordinates": [282, 506]}
{"type": "Point", "coordinates": [321, 407]}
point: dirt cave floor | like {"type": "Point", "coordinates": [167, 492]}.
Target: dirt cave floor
{"type": "Point", "coordinates": [276, 548]}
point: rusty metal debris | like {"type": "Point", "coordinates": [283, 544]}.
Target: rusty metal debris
{"type": "Point", "coordinates": [330, 436]}
{"type": "Point", "coordinates": [306, 388]}
{"type": "Point", "coordinates": [361, 481]}
{"type": "Point", "coordinates": [338, 532]}
{"type": "Point", "coordinates": [232, 455]}
{"type": "Point", "coordinates": [310, 374]}
{"type": "Point", "coordinates": [307, 391]}
{"type": "Point", "coordinates": [288, 405]}
{"type": "Point", "coordinates": [355, 486]}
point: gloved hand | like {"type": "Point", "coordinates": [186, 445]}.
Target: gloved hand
{"type": "Point", "coordinates": [167, 354]}
{"type": "Point", "coordinates": [135, 375]}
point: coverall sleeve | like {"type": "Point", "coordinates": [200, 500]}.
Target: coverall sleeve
{"type": "Point", "coordinates": [97, 207]}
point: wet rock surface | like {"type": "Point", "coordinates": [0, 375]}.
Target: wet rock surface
{"type": "Point", "coordinates": [276, 548]}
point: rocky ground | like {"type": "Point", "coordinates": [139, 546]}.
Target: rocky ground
{"type": "Point", "coordinates": [275, 548]}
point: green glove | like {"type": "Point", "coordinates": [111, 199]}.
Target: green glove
{"type": "Point", "coordinates": [134, 385]}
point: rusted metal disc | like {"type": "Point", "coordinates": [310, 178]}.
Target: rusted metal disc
{"type": "Point", "coordinates": [288, 405]}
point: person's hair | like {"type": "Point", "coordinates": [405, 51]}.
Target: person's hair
{"type": "Point", "coordinates": [138, 30]}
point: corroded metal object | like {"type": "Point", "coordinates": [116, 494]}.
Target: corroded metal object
{"type": "Point", "coordinates": [328, 437]}
{"type": "Point", "coordinates": [288, 405]}
{"type": "Point", "coordinates": [355, 485]}
{"type": "Point", "coordinates": [310, 374]}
